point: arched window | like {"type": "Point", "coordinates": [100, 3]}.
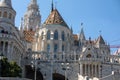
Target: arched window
{"type": "Point", "coordinates": [88, 56]}
{"type": "Point", "coordinates": [10, 16]}
{"type": "Point", "coordinates": [48, 35]}
{"type": "Point", "coordinates": [56, 35]}
{"type": "Point", "coordinates": [63, 36]}
{"type": "Point", "coordinates": [63, 47]}
{"type": "Point", "coordinates": [1, 46]}
{"type": "Point", "coordinates": [48, 47]}
{"type": "Point", "coordinates": [5, 14]}
{"type": "Point", "coordinates": [0, 13]}
{"type": "Point", "coordinates": [55, 47]}
{"type": "Point", "coordinates": [42, 35]}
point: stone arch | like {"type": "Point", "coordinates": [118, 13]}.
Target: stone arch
{"type": "Point", "coordinates": [29, 73]}
{"type": "Point", "coordinates": [57, 76]}
{"type": "Point", "coordinates": [10, 16]}
{"type": "Point", "coordinates": [88, 56]}
{"type": "Point", "coordinates": [5, 14]}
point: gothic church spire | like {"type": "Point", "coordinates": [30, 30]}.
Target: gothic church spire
{"type": "Point", "coordinates": [52, 6]}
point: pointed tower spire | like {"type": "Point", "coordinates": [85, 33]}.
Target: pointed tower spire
{"type": "Point", "coordinates": [34, 1]}
{"type": "Point", "coordinates": [52, 6]}
{"type": "Point", "coordinates": [71, 29]}
{"type": "Point", "coordinates": [82, 36]}
{"type": "Point", "coordinates": [21, 25]}
{"type": "Point", "coordinates": [6, 3]}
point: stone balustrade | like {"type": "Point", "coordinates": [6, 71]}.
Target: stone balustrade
{"type": "Point", "coordinates": [9, 36]}
{"type": "Point", "coordinates": [13, 78]}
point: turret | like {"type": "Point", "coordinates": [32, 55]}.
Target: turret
{"type": "Point", "coordinates": [7, 13]}
{"type": "Point", "coordinates": [81, 37]}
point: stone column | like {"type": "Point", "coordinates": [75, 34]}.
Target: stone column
{"type": "Point", "coordinates": [3, 47]}
{"type": "Point", "coordinates": [92, 70]}
{"type": "Point", "coordinates": [8, 50]}
{"type": "Point", "coordinates": [11, 50]}
{"type": "Point", "coordinates": [99, 71]}
{"type": "Point", "coordinates": [81, 68]}
{"type": "Point", "coordinates": [89, 70]}
{"type": "Point", "coordinates": [51, 45]}
{"type": "Point", "coordinates": [60, 45]}
{"type": "Point", "coordinates": [96, 70]}
{"type": "Point", "coordinates": [85, 70]}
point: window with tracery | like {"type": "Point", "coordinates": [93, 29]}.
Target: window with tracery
{"type": "Point", "coordinates": [63, 36]}
{"type": "Point", "coordinates": [48, 47]}
{"type": "Point", "coordinates": [55, 47]}
{"type": "Point", "coordinates": [56, 35]}
{"type": "Point", "coordinates": [0, 13]}
{"type": "Point", "coordinates": [48, 35]}
{"type": "Point", "coordinates": [5, 14]}
{"type": "Point", "coordinates": [63, 47]}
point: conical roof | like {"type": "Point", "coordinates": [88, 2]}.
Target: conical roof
{"type": "Point", "coordinates": [55, 18]}
{"type": "Point", "coordinates": [6, 3]}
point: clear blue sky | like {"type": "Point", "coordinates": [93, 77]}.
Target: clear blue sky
{"type": "Point", "coordinates": [96, 15]}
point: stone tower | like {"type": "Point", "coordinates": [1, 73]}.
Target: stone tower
{"type": "Point", "coordinates": [10, 39]}
{"type": "Point", "coordinates": [31, 22]}
{"type": "Point", "coordinates": [7, 13]}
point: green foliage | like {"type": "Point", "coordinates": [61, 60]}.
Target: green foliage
{"type": "Point", "coordinates": [10, 69]}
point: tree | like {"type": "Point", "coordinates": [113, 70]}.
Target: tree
{"type": "Point", "coordinates": [10, 69]}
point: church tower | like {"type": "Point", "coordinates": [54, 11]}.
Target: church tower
{"type": "Point", "coordinates": [32, 17]}
{"type": "Point", "coordinates": [31, 22]}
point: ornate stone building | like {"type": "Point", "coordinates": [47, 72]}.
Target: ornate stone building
{"type": "Point", "coordinates": [11, 41]}
{"type": "Point", "coordinates": [52, 48]}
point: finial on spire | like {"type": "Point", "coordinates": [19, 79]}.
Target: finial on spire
{"type": "Point", "coordinates": [52, 6]}
{"type": "Point", "coordinates": [34, 1]}
{"type": "Point", "coordinates": [81, 24]}
{"type": "Point", "coordinates": [100, 32]}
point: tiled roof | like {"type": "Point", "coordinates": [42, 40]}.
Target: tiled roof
{"type": "Point", "coordinates": [29, 36]}
{"type": "Point", "coordinates": [55, 18]}
{"type": "Point", "coordinates": [75, 36]}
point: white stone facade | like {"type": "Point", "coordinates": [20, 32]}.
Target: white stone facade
{"type": "Point", "coordinates": [53, 47]}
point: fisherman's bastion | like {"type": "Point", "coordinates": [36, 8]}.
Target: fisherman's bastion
{"type": "Point", "coordinates": [50, 50]}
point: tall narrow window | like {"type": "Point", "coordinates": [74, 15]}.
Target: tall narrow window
{"type": "Point", "coordinates": [1, 46]}
{"type": "Point", "coordinates": [10, 16]}
{"type": "Point", "coordinates": [48, 35]}
{"type": "Point", "coordinates": [0, 14]}
{"type": "Point", "coordinates": [63, 36]}
{"type": "Point", "coordinates": [56, 35]}
{"type": "Point", "coordinates": [48, 47]}
{"type": "Point", "coordinates": [55, 47]}
{"type": "Point", "coordinates": [42, 35]}
{"type": "Point", "coordinates": [5, 14]}
{"type": "Point", "coordinates": [63, 48]}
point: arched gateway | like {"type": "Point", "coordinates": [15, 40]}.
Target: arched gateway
{"type": "Point", "coordinates": [29, 73]}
